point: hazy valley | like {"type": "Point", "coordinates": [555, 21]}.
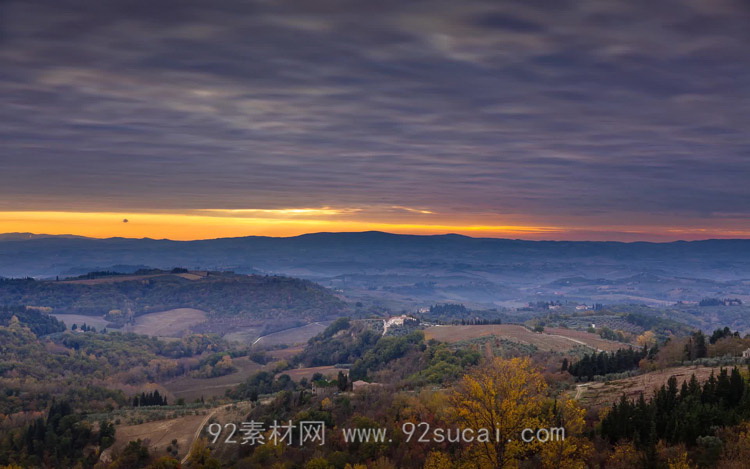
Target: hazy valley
{"type": "Point", "coordinates": [152, 344]}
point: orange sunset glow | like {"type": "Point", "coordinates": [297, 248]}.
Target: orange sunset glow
{"type": "Point", "coordinates": [180, 226]}
{"type": "Point", "coordinates": [209, 224]}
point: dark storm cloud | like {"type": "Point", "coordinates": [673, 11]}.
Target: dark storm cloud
{"type": "Point", "coordinates": [521, 107]}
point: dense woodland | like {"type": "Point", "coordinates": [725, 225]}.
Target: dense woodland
{"type": "Point", "coordinates": [367, 351]}
{"type": "Point", "coordinates": [254, 296]}
{"type": "Point", "coordinates": [456, 313]}
{"type": "Point", "coordinates": [74, 365]}
{"type": "Point", "coordinates": [603, 363]}
{"type": "Point", "coordinates": [342, 342]}
{"type": "Point", "coordinates": [61, 440]}
{"type": "Point", "coordinates": [40, 323]}
{"type": "Point", "coordinates": [688, 414]}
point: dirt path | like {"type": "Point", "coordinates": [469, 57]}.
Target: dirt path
{"type": "Point", "coordinates": [286, 331]}
{"type": "Point", "coordinates": [579, 390]}
{"type": "Point", "coordinates": [200, 428]}
{"type": "Point", "coordinates": [576, 341]}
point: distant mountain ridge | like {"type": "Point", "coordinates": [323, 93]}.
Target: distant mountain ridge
{"type": "Point", "coordinates": [416, 269]}
{"type": "Point", "coordinates": [360, 235]}
{"type": "Point", "coordinates": [26, 254]}
{"type": "Point", "coordinates": [27, 236]}
{"type": "Point", "coordinates": [28, 248]}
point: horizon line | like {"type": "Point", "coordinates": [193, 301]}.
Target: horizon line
{"type": "Point", "coordinates": [146, 238]}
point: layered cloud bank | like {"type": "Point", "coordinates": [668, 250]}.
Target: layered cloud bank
{"type": "Point", "coordinates": [521, 118]}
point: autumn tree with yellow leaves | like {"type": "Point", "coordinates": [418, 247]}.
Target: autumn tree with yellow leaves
{"type": "Point", "coordinates": [624, 456]}
{"type": "Point", "coordinates": [570, 452]}
{"type": "Point", "coordinates": [507, 396]}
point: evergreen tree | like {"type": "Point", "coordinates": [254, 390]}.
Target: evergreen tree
{"type": "Point", "coordinates": [679, 416]}
{"type": "Point", "coordinates": [343, 384]}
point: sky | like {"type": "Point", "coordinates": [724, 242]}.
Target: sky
{"type": "Point", "coordinates": [537, 119]}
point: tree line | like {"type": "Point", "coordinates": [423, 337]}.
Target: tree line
{"type": "Point", "coordinates": [39, 322]}
{"type": "Point", "coordinates": [602, 363]}
{"type": "Point", "coordinates": [148, 399]}
{"type": "Point", "coordinates": [719, 334]}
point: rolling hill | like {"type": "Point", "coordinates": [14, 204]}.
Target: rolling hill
{"type": "Point", "coordinates": [406, 271]}
{"type": "Point", "coordinates": [230, 300]}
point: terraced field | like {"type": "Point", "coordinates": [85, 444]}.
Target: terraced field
{"type": "Point", "coordinates": [190, 388]}
{"type": "Point", "coordinates": [293, 336]}
{"type": "Point", "coordinates": [285, 353]}
{"type": "Point", "coordinates": [556, 342]}
{"type": "Point", "coordinates": [172, 323]}
{"type": "Point", "coordinates": [592, 340]}
{"type": "Point", "coordinates": [159, 434]}
{"type": "Point", "coordinates": [605, 393]}
{"type": "Point", "coordinates": [299, 373]}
